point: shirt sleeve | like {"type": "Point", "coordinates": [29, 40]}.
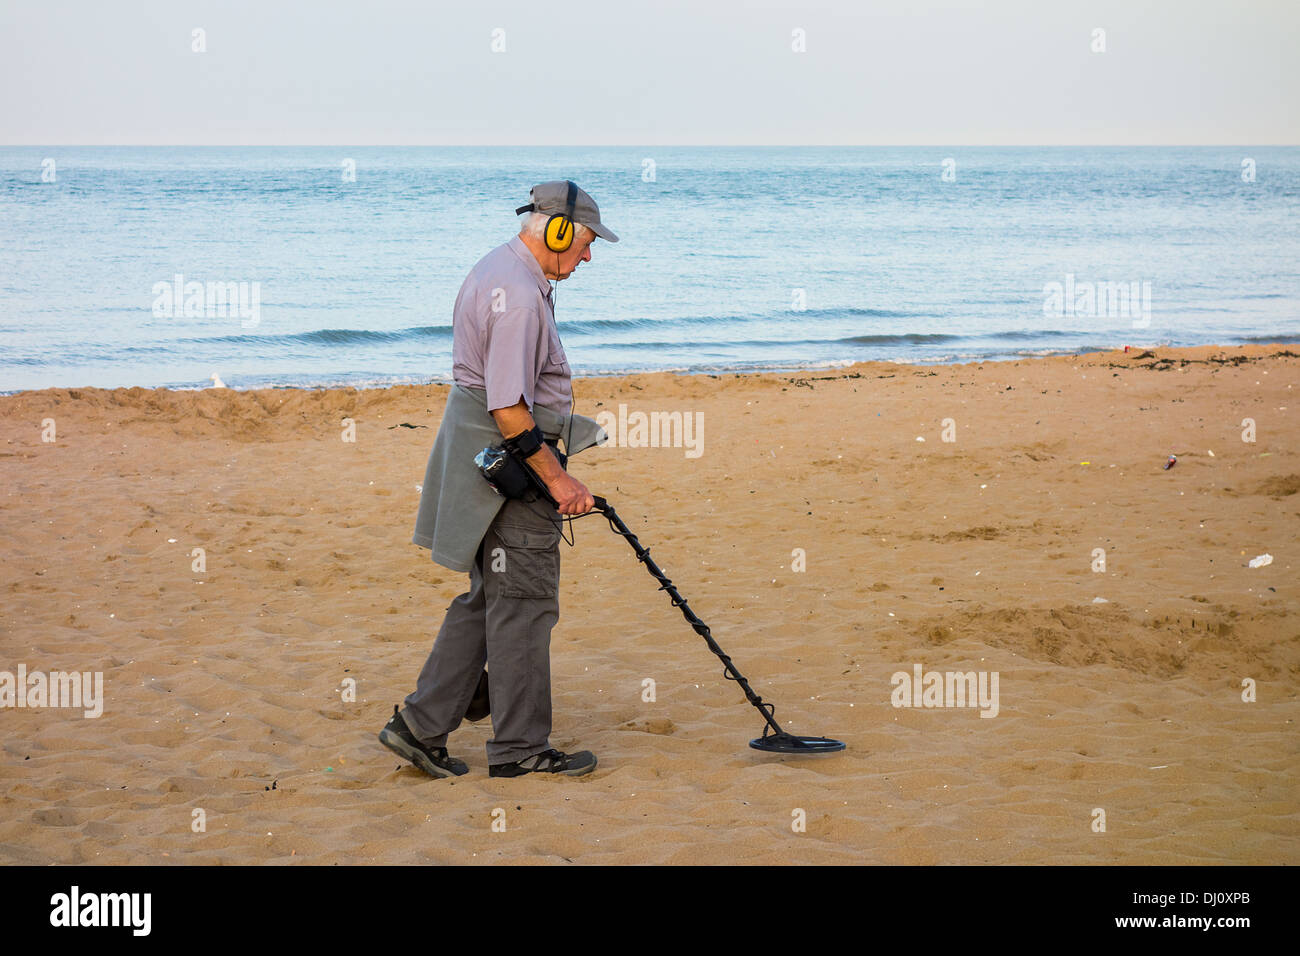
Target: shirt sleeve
{"type": "Point", "coordinates": [510, 357]}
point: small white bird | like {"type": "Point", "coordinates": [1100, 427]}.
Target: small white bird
{"type": "Point", "coordinates": [216, 381]}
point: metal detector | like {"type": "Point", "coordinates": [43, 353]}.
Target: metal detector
{"type": "Point", "coordinates": [509, 476]}
{"type": "Point", "coordinates": [774, 739]}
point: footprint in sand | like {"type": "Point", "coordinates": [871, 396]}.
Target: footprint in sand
{"type": "Point", "coordinates": [658, 725]}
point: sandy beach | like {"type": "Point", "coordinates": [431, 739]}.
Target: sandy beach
{"type": "Point", "coordinates": [227, 689]}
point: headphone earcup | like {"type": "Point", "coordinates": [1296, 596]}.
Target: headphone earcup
{"type": "Point", "coordinates": [559, 233]}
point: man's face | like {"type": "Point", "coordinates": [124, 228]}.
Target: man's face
{"type": "Point", "coordinates": [569, 259]}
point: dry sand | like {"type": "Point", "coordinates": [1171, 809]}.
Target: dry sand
{"type": "Point", "coordinates": [224, 687]}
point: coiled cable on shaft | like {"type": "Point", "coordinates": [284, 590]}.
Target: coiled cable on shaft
{"type": "Point", "coordinates": [665, 584]}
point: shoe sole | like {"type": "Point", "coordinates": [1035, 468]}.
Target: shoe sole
{"type": "Point", "coordinates": [417, 757]}
{"type": "Point", "coordinates": [579, 772]}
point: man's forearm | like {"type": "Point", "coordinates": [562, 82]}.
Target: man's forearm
{"type": "Point", "coordinates": [517, 420]}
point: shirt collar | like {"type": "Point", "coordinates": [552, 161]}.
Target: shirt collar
{"type": "Point", "coordinates": [526, 255]}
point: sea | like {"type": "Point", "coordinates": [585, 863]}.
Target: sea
{"type": "Point", "coordinates": [339, 266]}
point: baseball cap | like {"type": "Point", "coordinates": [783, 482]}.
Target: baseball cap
{"type": "Point", "coordinates": [552, 197]}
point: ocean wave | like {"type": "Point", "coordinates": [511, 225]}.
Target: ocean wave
{"type": "Point", "coordinates": [906, 338]}
{"type": "Point", "coordinates": [1271, 339]}
{"type": "Point", "coordinates": [593, 326]}
{"type": "Point", "coordinates": [329, 336]}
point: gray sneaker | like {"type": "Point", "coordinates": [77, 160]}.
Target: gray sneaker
{"type": "Point", "coordinates": [548, 761]}
{"type": "Point", "coordinates": [434, 761]}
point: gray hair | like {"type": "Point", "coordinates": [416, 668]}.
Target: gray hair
{"type": "Point", "coordinates": [533, 224]}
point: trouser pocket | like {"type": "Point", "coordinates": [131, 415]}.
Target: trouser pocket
{"type": "Point", "coordinates": [527, 561]}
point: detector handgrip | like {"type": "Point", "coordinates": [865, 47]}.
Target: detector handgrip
{"type": "Point", "coordinates": [600, 504]}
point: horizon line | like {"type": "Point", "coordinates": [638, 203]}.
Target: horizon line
{"type": "Point", "coordinates": [423, 145]}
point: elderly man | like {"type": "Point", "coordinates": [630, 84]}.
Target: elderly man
{"type": "Point", "coordinates": [512, 385]}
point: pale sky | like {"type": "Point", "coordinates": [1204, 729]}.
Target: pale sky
{"type": "Point", "coordinates": [662, 72]}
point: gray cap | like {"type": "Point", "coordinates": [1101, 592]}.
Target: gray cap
{"type": "Point", "coordinates": [551, 198]}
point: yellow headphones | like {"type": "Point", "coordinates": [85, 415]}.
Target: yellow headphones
{"type": "Point", "coordinates": [559, 228]}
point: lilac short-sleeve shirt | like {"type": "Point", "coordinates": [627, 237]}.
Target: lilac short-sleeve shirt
{"type": "Point", "coordinates": [504, 338]}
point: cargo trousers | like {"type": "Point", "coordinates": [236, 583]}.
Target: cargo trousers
{"type": "Point", "coordinates": [503, 621]}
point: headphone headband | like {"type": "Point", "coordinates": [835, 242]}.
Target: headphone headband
{"type": "Point", "coordinates": [571, 200]}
